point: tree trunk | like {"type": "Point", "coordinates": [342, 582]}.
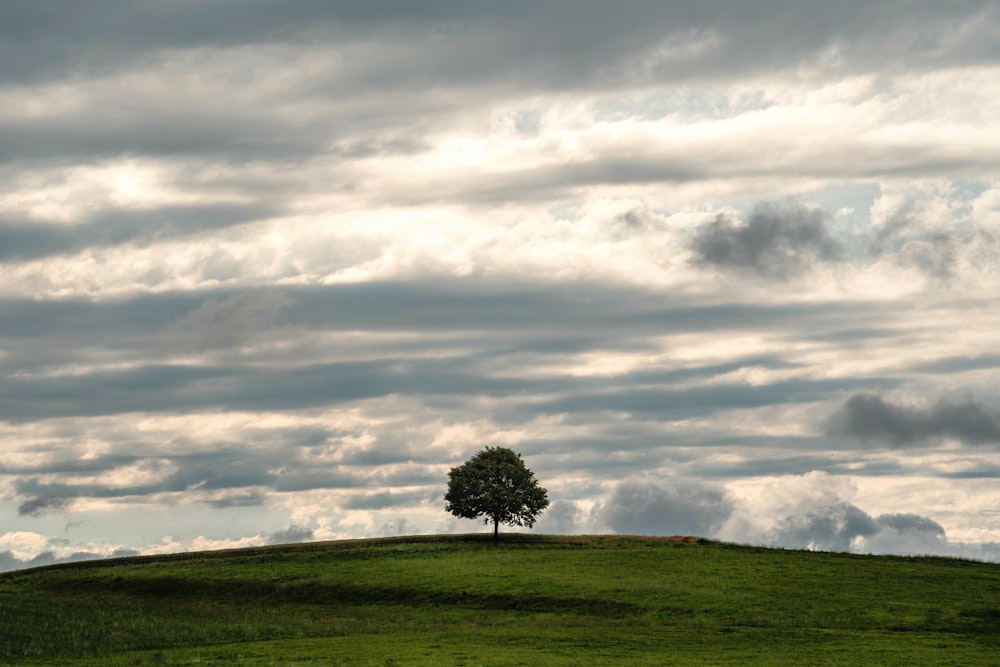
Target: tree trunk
{"type": "Point", "coordinates": [496, 530]}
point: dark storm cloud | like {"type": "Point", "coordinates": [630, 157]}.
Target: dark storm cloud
{"type": "Point", "coordinates": [665, 507]}
{"type": "Point", "coordinates": [870, 417]}
{"type": "Point", "coordinates": [774, 243]}
{"type": "Point", "coordinates": [22, 240]}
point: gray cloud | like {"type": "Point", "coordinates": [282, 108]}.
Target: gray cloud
{"type": "Point", "coordinates": [959, 364]}
{"type": "Point", "coordinates": [646, 506]}
{"type": "Point", "coordinates": [911, 523]}
{"type": "Point", "coordinates": [937, 258]}
{"type": "Point", "coordinates": [923, 245]}
{"type": "Point", "coordinates": [503, 326]}
{"type": "Point", "coordinates": [155, 133]}
{"type": "Point", "coordinates": [229, 323]}
{"type": "Point", "coordinates": [31, 239]}
{"type": "Point", "coordinates": [546, 183]}
{"type": "Point", "coordinates": [584, 313]}
{"type": "Point", "coordinates": [168, 388]}
{"type": "Point", "coordinates": [232, 476]}
{"type": "Point", "coordinates": [869, 416]}
{"type": "Point", "coordinates": [844, 527]}
{"type": "Point", "coordinates": [44, 37]}
{"type": "Point", "coordinates": [251, 499]}
{"type": "Point", "coordinates": [400, 526]}
{"type": "Point", "coordinates": [681, 403]}
{"type": "Point", "coordinates": [831, 528]}
{"type": "Point", "coordinates": [562, 517]}
{"type": "Point", "coordinates": [912, 534]}
{"type": "Point", "coordinates": [8, 561]}
{"type": "Point", "coordinates": [379, 146]}
{"type": "Point", "coordinates": [43, 505]}
{"type": "Point", "coordinates": [505, 330]}
{"type": "Point", "coordinates": [784, 458]}
{"type": "Point", "coordinates": [227, 468]}
{"type": "Point", "coordinates": [774, 243]}
{"type": "Point", "coordinates": [383, 500]}
{"type": "Point", "coordinates": [779, 243]}
{"type": "Point", "coordinates": [291, 535]}
{"type": "Point", "coordinates": [916, 237]}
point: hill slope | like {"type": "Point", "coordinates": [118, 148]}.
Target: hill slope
{"type": "Point", "coordinates": [531, 600]}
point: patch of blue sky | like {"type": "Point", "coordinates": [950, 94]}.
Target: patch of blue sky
{"type": "Point", "coordinates": [528, 122]}
{"type": "Point", "coordinates": [965, 191]}
{"type": "Point", "coordinates": [850, 200]}
{"type": "Point", "coordinates": [567, 210]}
{"type": "Point", "coordinates": [683, 103]}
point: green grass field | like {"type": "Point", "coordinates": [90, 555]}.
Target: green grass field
{"type": "Point", "coordinates": [529, 600]}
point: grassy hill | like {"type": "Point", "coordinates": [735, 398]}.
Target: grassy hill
{"type": "Point", "coordinates": [531, 600]}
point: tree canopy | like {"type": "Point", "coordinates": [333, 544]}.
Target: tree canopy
{"type": "Point", "coordinates": [496, 486]}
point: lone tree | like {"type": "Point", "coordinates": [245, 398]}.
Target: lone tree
{"type": "Point", "coordinates": [496, 485]}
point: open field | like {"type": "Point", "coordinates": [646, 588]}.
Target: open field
{"type": "Point", "coordinates": [531, 600]}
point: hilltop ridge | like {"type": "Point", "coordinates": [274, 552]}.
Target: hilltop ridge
{"type": "Point", "coordinates": [531, 599]}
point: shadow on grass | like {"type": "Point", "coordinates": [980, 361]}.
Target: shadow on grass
{"type": "Point", "coordinates": [177, 588]}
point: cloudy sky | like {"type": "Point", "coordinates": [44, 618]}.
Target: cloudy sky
{"type": "Point", "coordinates": [270, 269]}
